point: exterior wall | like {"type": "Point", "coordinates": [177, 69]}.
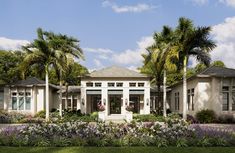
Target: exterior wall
{"type": "Point", "coordinates": [207, 95]}
{"type": "Point", "coordinates": [125, 96]}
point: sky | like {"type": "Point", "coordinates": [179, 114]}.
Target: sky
{"type": "Point", "coordinates": [116, 32]}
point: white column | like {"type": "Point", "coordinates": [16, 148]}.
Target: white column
{"type": "Point", "coordinates": [105, 100]}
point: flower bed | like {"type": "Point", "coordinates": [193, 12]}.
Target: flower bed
{"type": "Point", "coordinates": [100, 134]}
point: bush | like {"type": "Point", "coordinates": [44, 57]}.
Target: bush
{"type": "Point", "coordinates": [148, 118]}
{"type": "Point", "coordinates": [11, 117]}
{"type": "Point", "coordinates": [206, 116]}
{"type": "Point", "coordinates": [226, 118]}
{"type": "Point", "coordinates": [41, 114]}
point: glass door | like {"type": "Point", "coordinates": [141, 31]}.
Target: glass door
{"type": "Point", "coordinates": [115, 104]}
{"type": "Point", "coordinates": [135, 103]}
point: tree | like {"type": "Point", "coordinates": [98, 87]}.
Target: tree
{"type": "Point", "coordinates": [40, 54]}
{"type": "Point", "coordinates": [69, 46]}
{"type": "Point", "coordinates": [9, 70]}
{"type": "Point", "coordinates": [158, 61]}
{"type": "Point", "coordinates": [191, 42]}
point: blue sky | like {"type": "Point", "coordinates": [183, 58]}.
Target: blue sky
{"type": "Point", "coordinates": [115, 32]}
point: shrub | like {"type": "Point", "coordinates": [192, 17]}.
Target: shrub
{"type": "Point", "coordinates": [206, 116]}
{"type": "Point", "coordinates": [41, 114]}
{"type": "Point", "coordinates": [226, 118]}
{"type": "Point", "coordinates": [148, 118]}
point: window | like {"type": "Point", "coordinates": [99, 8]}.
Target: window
{"type": "Point", "coordinates": [119, 84]}
{"type": "Point", "coordinates": [14, 100]}
{"type": "Point", "coordinates": [28, 100]}
{"type": "Point", "coordinates": [177, 101]}
{"type": "Point", "coordinates": [110, 84]}
{"type": "Point", "coordinates": [1, 97]}
{"type": "Point", "coordinates": [132, 84]}
{"type": "Point", "coordinates": [98, 84]}
{"type": "Point", "coordinates": [140, 84]}
{"type": "Point", "coordinates": [21, 100]}
{"type": "Point", "coordinates": [192, 94]}
{"type": "Point", "coordinates": [188, 99]}
{"type": "Point", "coordinates": [89, 84]}
{"type": "Point", "coordinates": [225, 93]}
{"type": "Point", "coordinates": [233, 98]}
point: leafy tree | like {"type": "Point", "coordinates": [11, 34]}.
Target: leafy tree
{"type": "Point", "coordinates": [9, 70]}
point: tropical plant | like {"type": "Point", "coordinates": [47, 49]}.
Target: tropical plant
{"type": "Point", "coordinates": [158, 61]}
{"type": "Point", "coordinates": [40, 53]}
{"type": "Point", "coordinates": [191, 42]}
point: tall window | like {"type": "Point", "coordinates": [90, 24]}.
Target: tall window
{"type": "Point", "coordinates": [14, 100]}
{"type": "Point", "coordinates": [225, 92]}
{"type": "Point", "coordinates": [192, 94]}
{"type": "Point", "coordinates": [233, 98]}
{"type": "Point", "coordinates": [188, 99]}
{"type": "Point", "coordinates": [21, 100]}
{"type": "Point", "coordinates": [177, 101]}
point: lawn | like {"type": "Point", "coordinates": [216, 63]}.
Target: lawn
{"type": "Point", "coordinates": [116, 150]}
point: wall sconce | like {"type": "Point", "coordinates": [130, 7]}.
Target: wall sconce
{"type": "Point", "coordinates": [104, 101]}
{"type": "Point", "coordinates": [147, 101]}
{"type": "Point", "coordinates": [83, 101]}
{"type": "Point", "coordinates": [126, 100]}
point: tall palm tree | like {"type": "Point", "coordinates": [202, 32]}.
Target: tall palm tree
{"type": "Point", "coordinates": [158, 60]}
{"type": "Point", "coordinates": [191, 42]}
{"type": "Point", "coordinates": [69, 46]}
{"type": "Point", "coordinates": [39, 53]}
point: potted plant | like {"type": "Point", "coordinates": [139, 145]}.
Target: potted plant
{"type": "Point", "coordinates": [101, 113]}
{"type": "Point", "coordinates": [129, 114]}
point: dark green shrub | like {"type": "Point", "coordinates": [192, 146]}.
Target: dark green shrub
{"type": "Point", "coordinates": [226, 118]}
{"type": "Point", "coordinates": [148, 118]}
{"type": "Point", "coordinates": [206, 116]}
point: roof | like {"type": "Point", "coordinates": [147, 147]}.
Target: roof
{"type": "Point", "coordinates": [116, 72]}
{"type": "Point", "coordinates": [218, 72]}
{"type": "Point", "coordinates": [31, 81]}
{"type": "Point", "coordinates": [71, 89]}
{"type": "Point", "coordinates": [212, 71]}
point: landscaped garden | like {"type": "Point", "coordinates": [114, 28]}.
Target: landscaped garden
{"type": "Point", "coordinates": [76, 129]}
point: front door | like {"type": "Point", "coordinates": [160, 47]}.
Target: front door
{"type": "Point", "coordinates": [115, 104]}
{"type": "Point", "coordinates": [135, 103]}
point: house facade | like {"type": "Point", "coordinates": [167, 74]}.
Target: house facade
{"type": "Point", "coordinates": [213, 88]}
{"type": "Point", "coordinates": [115, 88]}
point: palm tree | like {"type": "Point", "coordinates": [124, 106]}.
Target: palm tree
{"type": "Point", "coordinates": [158, 61]}
{"type": "Point", "coordinates": [191, 42]}
{"type": "Point", "coordinates": [69, 46]}
{"type": "Point", "coordinates": [40, 54]}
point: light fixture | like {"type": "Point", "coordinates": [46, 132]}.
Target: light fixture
{"type": "Point", "coordinates": [104, 101]}
{"type": "Point", "coordinates": [83, 101]}
{"type": "Point", "coordinates": [126, 100]}
{"type": "Point", "coordinates": [147, 101]}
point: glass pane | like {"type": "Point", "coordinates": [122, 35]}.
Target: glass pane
{"type": "Point", "coordinates": [225, 101]}
{"type": "Point", "coordinates": [21, 103]}
{"type": "Point", "coordinates": [119, 84]}
{"type": "Point", "coordinates": [233, 101]}
{"type": "Point", "coordinates": [69, 104]}
{"type": "Point", "coordinates": [1, 98]}
{"type": "Point", "coordinates": [132, 84]}
{"type": "Point", "coordinates": [140, 84]}
{"type": "Point", "coordinates": [14, 103]}
{"type": "Point", "coordinates": [13, 93]}
{"type": "Point", "coordinates": [21, 93]}
{"type": "Point", "coordinates": [28, 103]}
{"type": "Point", "coordinates": [110, 84]}
{"type": "Point", "coordinates": [74, 104]}
{"type": "Point", "coordinates": [27, 94]}
{"type": "Point", "coordinates": [98, 84]}
{"type": "Point", "coordinates": [63, 104]}
{"type": "Point", "coordinates": [225, 88]}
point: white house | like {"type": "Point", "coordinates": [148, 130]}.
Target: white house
{"type": "Point", "coordinates": [116, 88]}
{"type": "Point", "coordinates": [213, 88]}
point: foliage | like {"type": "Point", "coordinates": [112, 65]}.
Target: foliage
{"type": "Point", "coordinates": [206, 116]}
{"type": "Point", "coordinates": [41, 114]}
{"type": "Point", "coordinates": [226, 118]}
{"type": "Point", "coordinates": [11, 117]}
{"type": "Point", "coordinates": [148, 118]}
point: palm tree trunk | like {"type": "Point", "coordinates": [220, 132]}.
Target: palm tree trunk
{"type": "Point", "coordinates": [185, 89]}
{"type": "Point", "coordinates": [60, 97]}
{"type": "Point", "coordinates": [164, 93]}
{"type": "Point", "coordinates": [47, 95]}
{"type": "Point", "coordinates": [159, 98]}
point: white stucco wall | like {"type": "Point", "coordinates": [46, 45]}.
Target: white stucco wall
{"type": "Point", "coordinates": [125, 88]}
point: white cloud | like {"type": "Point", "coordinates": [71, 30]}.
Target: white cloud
{"type": "Point", "coordinates": [200, 2]}
{"type": "Point", "coordinates": [228, 2]}
{"type": "Point", "coordinates": [98, 50]}
{"type": "Point", "coordinates": [128, 8]}
{"type": "Point", "coordinates": [133, 56]}
{"type": "Point", "coordinates": [224, 35]}
{"type": "Point", "coordinates": [11, 44]}
{"type": "Point", "coordinates": [98, 64]}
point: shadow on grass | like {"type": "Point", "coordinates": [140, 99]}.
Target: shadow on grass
{"type": "Point", "coordinates": [115, 150]}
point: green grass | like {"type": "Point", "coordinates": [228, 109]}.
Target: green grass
{"type": "Point", "coordinates": [116, 150]}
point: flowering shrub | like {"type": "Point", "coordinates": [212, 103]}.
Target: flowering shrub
{"type": "Point", "coordinates": [101, 107]}
{"type": "Point", "coordinates": [11, 117]}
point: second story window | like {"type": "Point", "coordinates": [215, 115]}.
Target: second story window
{"type": "Point", "coordinates": [98, 84]}
{"type": "Point", "coordinates": [140, 84]}
{"type": "Point", "coordinates": [119, 84]}
{"type": "Point", "coordinates": [89, 84]}
{"type": "Point", "coordinates": [111, 84]}
{"type": "Point", "coordinates": [132, 84]}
